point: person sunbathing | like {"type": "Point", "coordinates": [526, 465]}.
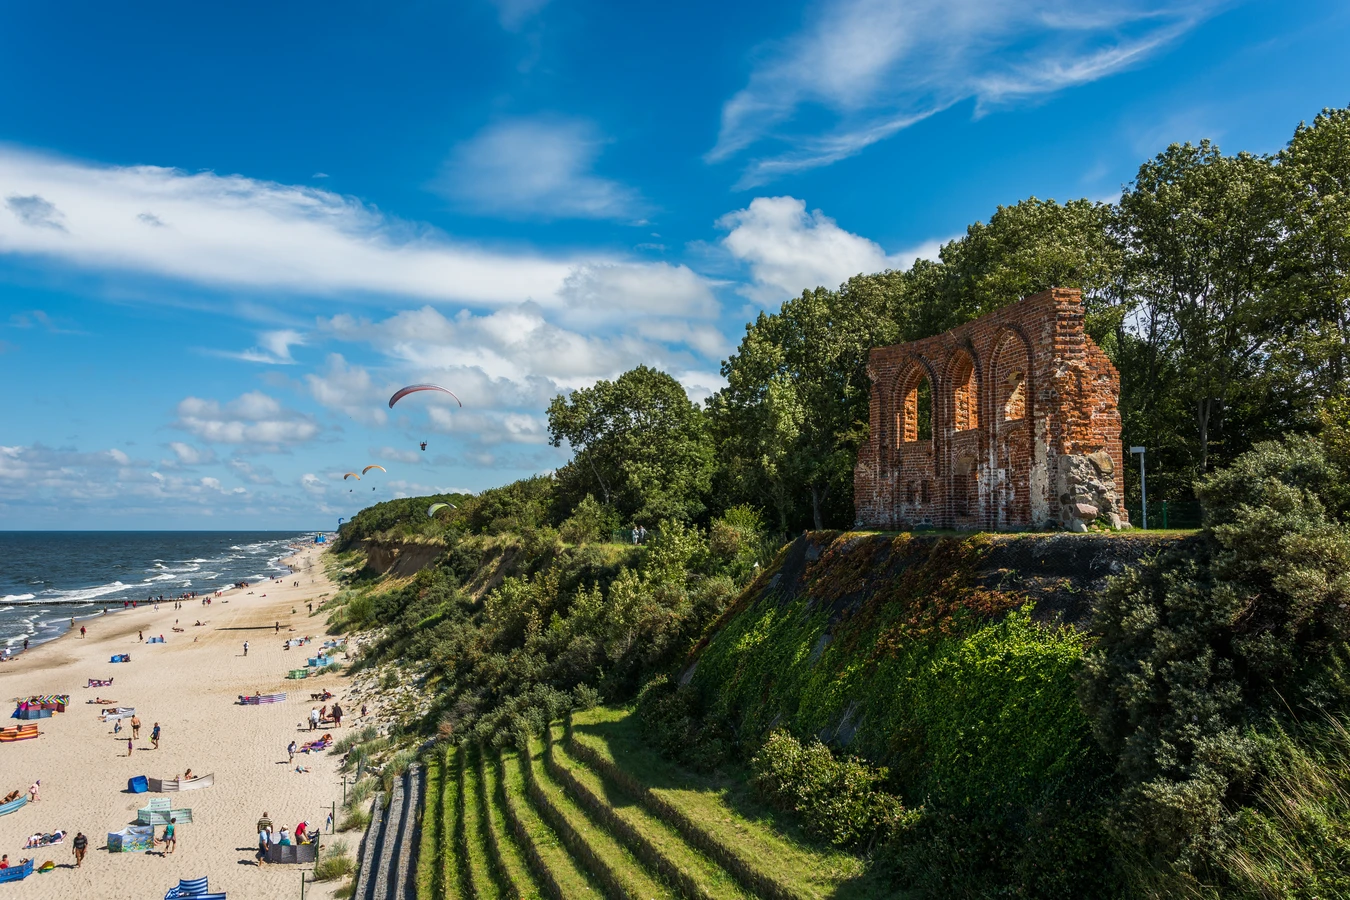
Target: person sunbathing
{"type": "Point", "coordinates": [10, 797]}
{"type": "Point", "coordinates": [187, 776]}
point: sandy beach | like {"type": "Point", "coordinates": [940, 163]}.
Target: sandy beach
{"type": "Point", "coordinates": [189, 685]}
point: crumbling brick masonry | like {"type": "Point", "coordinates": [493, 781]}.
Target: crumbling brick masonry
{"type": "Point", "coordinates": [1008, 422]}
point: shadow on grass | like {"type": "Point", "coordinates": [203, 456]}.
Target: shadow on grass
{"type": "Point", "coordinates": [732, 785]}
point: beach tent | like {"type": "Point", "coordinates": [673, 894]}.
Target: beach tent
{"type": "Point", "coordinates": [132, 839]}
{"type": "Point", "coordinates": [138, 785]}
{"type": "Point", "coordinates": [158, 812]}
{"type": "Point", "coordinates": [17, 873]}
{"type": "Point", "coordinates": [193, 889]}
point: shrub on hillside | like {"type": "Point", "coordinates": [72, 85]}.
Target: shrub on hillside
{"type": "Point", "coordinates": [838, 800]}
{"type": "Point", "coordinates": [673, 722]}
{"type": "Point", "coordinates": [1233, 628]}
{"type": "Point", "coordinates": [590, 521]}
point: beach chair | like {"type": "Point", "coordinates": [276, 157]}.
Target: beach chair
{"type": "Point", "coordinates": [193, 889]}
{"type": "Point", "coordinates": [17, 873]}
{"type": "Point", "coordinates": [138, 785]}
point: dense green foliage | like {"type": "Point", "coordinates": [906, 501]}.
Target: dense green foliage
{"type": "Point", "coordinates": [1205, 649]}
{"type": "Point", "coordinates": [839, 800]}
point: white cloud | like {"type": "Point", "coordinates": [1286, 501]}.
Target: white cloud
{"type": "Point", "coordinates": [876, 67]}
{"type": "Point", "coordinates": [515, 13]}
{"type": "Point", "coordinates": [251, 418]}
{"type": "Point", "coordinates": [790, 250]}
{"type": "Point", "coordinates": [409, 457]}
{"type": "Point", "coordinates": [251, 472]}
{"type": "Point", "coordinates": [649, 288]}
{"type": "Point", "coordinates": [537, 167]}
{"type": "Point", "coordinates": [189, 455]}
{"type": "Point", "coordinates": [274, 347]}
{"type": "Point", "coordinates": [313, 484]}
{"type": "Point", "coordinates": [234, 231]}
{"type": "Point", "coordinates": [350, 389]}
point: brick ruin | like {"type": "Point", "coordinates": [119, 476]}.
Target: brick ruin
{"type": "Point", "coordinates": [1008, 422]}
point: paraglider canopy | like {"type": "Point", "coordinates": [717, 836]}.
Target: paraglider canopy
{"type": "Point", "coordinates": [414, 388]}
{"type": "Point", "coordinates": [351, 475]}
{"type": "Point", "coordinates": [431, 510]}
{"type": "Point", "coordinates": [368, 468]}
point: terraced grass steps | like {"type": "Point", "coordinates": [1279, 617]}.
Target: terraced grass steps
{"type": "Point", "coordinates": [660, 846]}
{"type": "Point", "coordinates": [553, 868]}
{"type": "Point", "coordinates": [428, 882]}
{"type": "Point", "coordinates": [620, 874]}
{"type": "Point", "coordinates": [482, 881]}
{"type": "Point", "coordinates": [458, 857]}
{"type": "Point", "coordinates": [446, 882]}
{"type": "Point", "coordinates": [717, 815]}
{"type": "Point", "coordinates": [509, 856]}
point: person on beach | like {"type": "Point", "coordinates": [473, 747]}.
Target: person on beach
{"type": "Point", "coordinates": [337, 716]}
{"type": "Point", "coordinates": [117, 726]}
{"type": "Point", "coordinates": [140, 636]}
{"type": "Point", "coordinates": [284, 839]}
{"type": "Point", "coordinates": [78, 846]}
{"type": "Point", "coordinates": [128, 744]}
{"type": "Point", "coordinates": [154, 737]}
{"type": "Point", "coordinates": [278, 631]}
{"type": "Point", "coordinates": [246, 648]}
{"type": "Point", "coordinates": [169, 841]}
{"type": "Point", "coordinates": [81, 631]}
{"type": "Point", "coordinates": [33, 791]}
{"type": "Point", "coordinates": [136, 726]}
{"type": "Point", "coordinates": [314, 719]}
{"type": "Point", "coordinates": [4, 861]}
{"type": "Point", "coordinates": [25, 643]}
{"type": "Point", "coordinates": [264, 837]}
{"type": "Point", "coordinates": [290, 752]}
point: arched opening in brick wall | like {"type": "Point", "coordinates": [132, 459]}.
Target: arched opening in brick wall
{"type": "Point", "coordinates": [965, 396]}
{"type": "Point", "coordinates": [914, 407]}
{"type": "Point", "coordinates": [1012, 362]}
{"type": "Point", "coordinates": [1013, 402]}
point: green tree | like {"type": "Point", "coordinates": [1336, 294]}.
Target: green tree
{"type": "Point", "coordinates": [1314, 170]}
{"type": "Point", "coordinates": [639, 443]}
{"type": "Point", "coordinates": [795, 408]}
{"type": "Point", "coordinates": [1202, 233]}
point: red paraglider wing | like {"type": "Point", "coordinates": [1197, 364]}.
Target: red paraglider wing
{"type": "Point", "coordinates": [414, 388]}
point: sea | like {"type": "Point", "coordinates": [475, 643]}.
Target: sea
{"type": "Point", "coordinates": [49, 577]}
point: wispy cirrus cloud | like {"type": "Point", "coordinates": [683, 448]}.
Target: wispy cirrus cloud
{"type": "Point", "coordinates": [238, 232]}
{"type": "Point", "coordinates": [538, 167]}
{"type": "Point", "coordinates": [872, 68]}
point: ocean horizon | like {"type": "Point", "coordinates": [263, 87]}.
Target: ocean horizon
{"type": "Point", "coordinates": [48, 578]}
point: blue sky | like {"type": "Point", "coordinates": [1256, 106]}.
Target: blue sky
{"type": "Point", "coordinates": [228, 233]}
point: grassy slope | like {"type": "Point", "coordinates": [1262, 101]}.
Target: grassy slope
{"type": "Point", "coordinates": [428, 880]}
{"type": "Point", "coordinates": [709, 878]}
{"type": "Point", "coordinates": [485, 883]}
{"type": "Point", "coordinates": [513, 862]}
{"type": "Point", "coordinates": [554, 856]}
{"type": "Point", "coordinates": [725, 807]}
{"type": "Point", "coordinates": [629, 872]}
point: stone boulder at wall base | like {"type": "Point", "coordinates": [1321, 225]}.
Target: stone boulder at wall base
{"type": "Point", "coordinates": [1087, 491]}
{"type": "Point", "coordinates": [1008, 422]}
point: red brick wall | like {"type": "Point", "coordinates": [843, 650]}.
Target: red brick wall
{"type": "Point", "coordinates": [1012, 393]}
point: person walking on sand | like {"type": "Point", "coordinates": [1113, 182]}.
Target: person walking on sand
{"type": "Point", "coordinates": [136, 726]}
{"type": "Point", "coordinates": [140, 636]}
{"type": "Point", "coordinates": [169, 840]}
{"type": "Point", "coordinates": [264, 837]}
{"type": "Point", "coordinates": [337, 715]}
{"type": "Point", "coordinates": [246, 648]}
{"type": "Point", "coordinates": [290, 753]}
{"type": "Point", "coordinates": [154, 736]}
{"type": "Point", "coordinates": [278, 631]}
{"type": "Point", "coordinates": [313, 718]}
{"type": "Point", "coordinates": [78, 846]}
{"type": "Point", "coordinates": [34, 790]}
{"type": "Point", "coordinates": [128, 746]}
{"type": "Point", "coordinates": [81, 631]}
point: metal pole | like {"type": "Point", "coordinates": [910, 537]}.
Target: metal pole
{"type": "Point", "coordinates": [1143, 489]}
{"type": "Point", "coordinates": [302, 885]}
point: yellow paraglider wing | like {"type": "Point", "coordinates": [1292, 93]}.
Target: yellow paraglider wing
{"type": "Point", "coordinates": [368, 468]}
{"type": "Point", "coordinates": [351, 475]}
